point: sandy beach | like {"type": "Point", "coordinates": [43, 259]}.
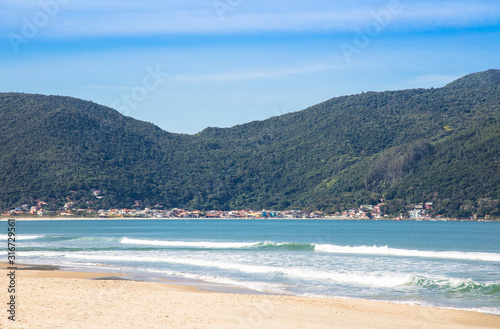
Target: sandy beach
{"type": "Point", "coordinates": [47, 298]}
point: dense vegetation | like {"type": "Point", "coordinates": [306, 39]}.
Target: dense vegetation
{"type": "Point", "coordinates": [411, 146]}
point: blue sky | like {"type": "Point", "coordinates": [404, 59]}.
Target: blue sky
{"type": "Point", "coordinates": [187, 65]}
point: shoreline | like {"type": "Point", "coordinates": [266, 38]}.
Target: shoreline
{"type": "Point", "coordinates": [59, 218]}
{"type": "Point", "coordinates": [50, 297]}
{"type": "Point", "coordinates": [97, 272]}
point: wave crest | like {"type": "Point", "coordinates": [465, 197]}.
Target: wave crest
{"type": "Point", "coordinates": [385, 250]}
{"type": "Point", "coordinates": [455, 285]}
{"type": "Point", "coordinates": [22, 237]}
{"type": "Point", "coordinates": [190, 244]}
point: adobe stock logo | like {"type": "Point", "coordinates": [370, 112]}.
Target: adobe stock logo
{"type": "Point", "coordinates": [222, 7]}
{"type": "Point", "coordinates": [372, 28]}
{"type": "Point", "coordinates": [139, 93]}
{"type": "Point", "coordinates": [31, 26]}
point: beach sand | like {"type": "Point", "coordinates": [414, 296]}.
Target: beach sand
{"type": "Point", "coordinates": [48, 298]}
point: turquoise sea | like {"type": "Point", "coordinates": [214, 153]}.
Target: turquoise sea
{"type": "Point", "coordinates": [445, 264]}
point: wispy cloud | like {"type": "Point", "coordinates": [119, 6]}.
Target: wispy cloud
{"type": "Point", "coordinates": [256, 74]}
{"type": "Point", "coordinates": [150, 17]}
{"type": "Point", "coordinates": [448, 14]}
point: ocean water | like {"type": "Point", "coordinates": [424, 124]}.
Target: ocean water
{"type": "Point", "coordinates": [444, 264]}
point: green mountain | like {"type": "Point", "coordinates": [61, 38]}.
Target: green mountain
{"type": "Point", "coordinates": [411, 146]}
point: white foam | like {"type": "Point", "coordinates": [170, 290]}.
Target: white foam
{"type": "Point", "coordinates": [359, 278]}
{"type": "Point", "coordinates": [451, 283]}
{"type": "Point", "coordinates": [257, 286]}
{"type": "Point", "coordinates": [41, 254]}
{"type": "Point", "coordinates": [21, 237]}
{"type": "Point", "coordinates": [385, 250]}
{"type": "Point", "coordinates": [385, 280]}
{"type": "Point", "coordinates": [488, 310]}
{"type": "Point", "coordinates": [190, 244]}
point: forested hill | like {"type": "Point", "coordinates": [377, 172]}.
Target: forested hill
{"type": "Point", "coordinates": [411, 146]}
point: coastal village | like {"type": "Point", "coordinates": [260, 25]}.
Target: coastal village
{"type": "Point", "coordinates": [419, 212]}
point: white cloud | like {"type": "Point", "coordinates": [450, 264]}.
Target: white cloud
{"type": "Point", "coordinates": [257, 74]}
{"type": "Point", "coordinates": [457, 14]}
{"type": "Point", "coordinates": [134, 17]}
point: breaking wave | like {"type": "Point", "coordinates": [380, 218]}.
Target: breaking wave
{"type": "Point", "coordinates": [385, 250]}
{"type": "Point", "coordinates": [218, 245]}
{"type": "Point", "coordinates": [22, 237]}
